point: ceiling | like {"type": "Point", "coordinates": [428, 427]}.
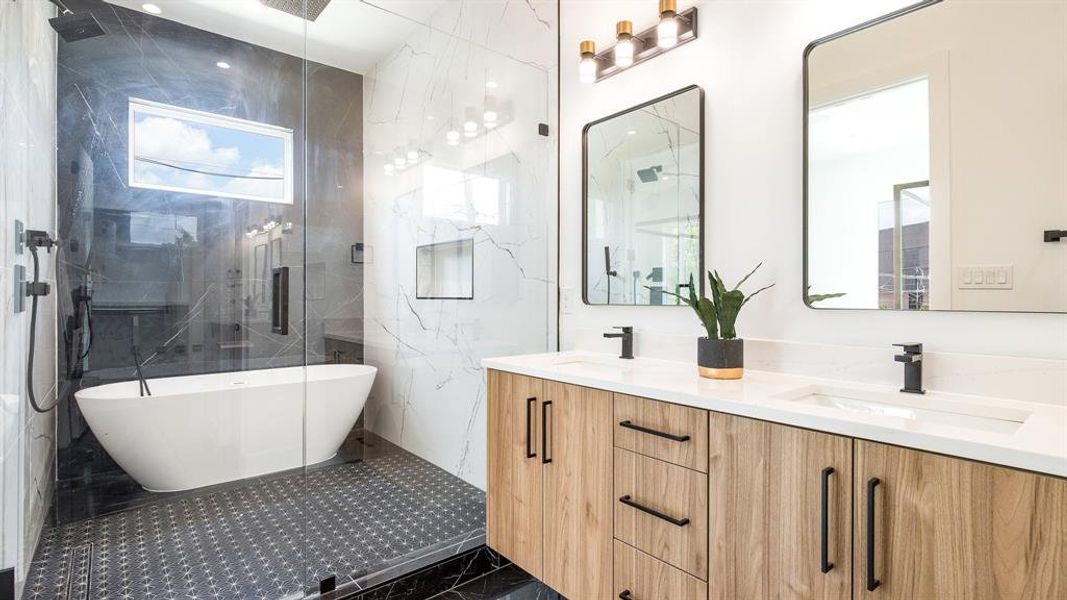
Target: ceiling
{"type": "Point", "coordinates": [349, 34]}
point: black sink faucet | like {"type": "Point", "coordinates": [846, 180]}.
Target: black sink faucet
{"type": "Point", "coordinates": [913, 367]}
{"type": "Point", "coordinates": [627, 337]}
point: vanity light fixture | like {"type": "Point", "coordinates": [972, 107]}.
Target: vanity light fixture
{"type": "Point", "coordinates": [624, 44]}
{"type": "Point", "coordinates": [667, 30]}
{"type": "Point", "coordinates": [470, 124]}
{"type": "Point", "coordinates": [587, 67]}
{"type": "Point", "coordinates": [489, 113]}
{"type": "Point", "coordinates": [672, 30]}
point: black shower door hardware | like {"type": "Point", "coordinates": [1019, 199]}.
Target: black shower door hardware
{"type": "Point", "coordinates": [824, 522]}
{"type": "Point", "coordinates": [872, 581]}
{"type": "Point", "coordinates": [1055, 235]}
{"type": "Point", "coordinates": [531, 405]}
{"type": "Point", "coordinates": [279, 300]}
{"type": "Point", "coordinates": [670, 436]}
{"type": "Point", "coordinates": [545, 458]}
{"type": "Point", "coordinates": [628, 501]}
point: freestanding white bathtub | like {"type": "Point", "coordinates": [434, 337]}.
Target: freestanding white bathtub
{"type": "Point", "coordinates": [201, 430]}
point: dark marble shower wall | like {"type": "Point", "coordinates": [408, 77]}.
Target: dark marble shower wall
{"type": "Point", "coordinates": [196, 303]}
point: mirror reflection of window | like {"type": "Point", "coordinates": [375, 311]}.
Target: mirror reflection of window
{"type": "Point", "coordinates": [643, 202]}
{"type": "Point", "coordinates": [860, 149]}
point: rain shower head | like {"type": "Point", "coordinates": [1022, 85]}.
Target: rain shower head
{"type": "Point", "coordinates": [305, 9]}
{"type": "Point", "coordinates": [650, 174]}
{"type": "Point", "coordinates": [73, 27]}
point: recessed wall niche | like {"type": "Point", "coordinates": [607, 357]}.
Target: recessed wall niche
{"type": "Point", "coordinates": [445, 270]}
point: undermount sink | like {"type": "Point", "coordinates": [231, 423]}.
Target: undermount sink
{"type": "Point", "coordinates": [592, 365]}
{"type": "Point", "coordinates": [932, 408]}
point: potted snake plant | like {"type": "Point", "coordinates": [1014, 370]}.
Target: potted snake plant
{"type": "Point", "coordinates": [720, 355]}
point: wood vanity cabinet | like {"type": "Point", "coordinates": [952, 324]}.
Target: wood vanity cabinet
{"type": "Point", "coordinates": [550, 499]}
{"type": "Point", "coordinates": [950, 528]}
{"type": "Point", "coordinates": [780, 511]}
{"type": "Point", "coordinates": [944, 528]}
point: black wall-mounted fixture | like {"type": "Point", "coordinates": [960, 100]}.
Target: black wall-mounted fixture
{"type": "Point", "coordinates": [1055, 235]}
{"type": "Point", "coordinates": [279, 301]}
{"type": "Point", "coordinates": [673, 29]}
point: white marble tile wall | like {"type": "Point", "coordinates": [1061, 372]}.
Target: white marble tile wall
{"type": "Point", "coordinates": [27, 186]}
{"type": "Point", "coordinates": [495, 186]}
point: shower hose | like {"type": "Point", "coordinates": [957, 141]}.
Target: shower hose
{"type": "Point", "coordinates": [35, 291]}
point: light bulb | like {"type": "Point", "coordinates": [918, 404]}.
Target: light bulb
{"type": "Point", "coordinates": [398, 159]}
{"type": "Point", "coordinates": [452, 137]}
{"type": "Point", "coordinates": [667, 30]}
{"type": "Point", "coordinates": [489, 114]}
{"type": "Point", "coordinates": [624, 44]}
{"type": "Point", "coordinates": [470, 123]}
{"type": "Point", "coordinates": [587, 65]}
{"type": "Point", "coordinates": [413, 157]}
{"type": "Point", "coordinates": [389, 170]}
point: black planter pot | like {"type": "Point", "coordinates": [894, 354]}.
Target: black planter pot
{"type": "Point", "coordinates": [721, 359]}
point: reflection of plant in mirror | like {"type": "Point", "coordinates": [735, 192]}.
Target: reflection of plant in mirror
{"type": "Point", "coordinates": [813, 298]}
{"type": "Point", "coordinates": [719, 313]}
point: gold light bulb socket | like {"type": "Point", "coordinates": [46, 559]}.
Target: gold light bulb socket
{"type": "Point", "coordinates": [587, 47]}
{"type": "Point", "coordinates": [624, 28]}
{"type": "Point", "coordinates": [668, 7]}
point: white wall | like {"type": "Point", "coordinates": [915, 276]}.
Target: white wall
{"type": "Point", "coordinates": [749, 62]}
{"type": "Point", "coordinates": [27, 187]}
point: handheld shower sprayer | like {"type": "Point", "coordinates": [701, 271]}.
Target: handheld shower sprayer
{"type": "Point", "coordinates": [35, 240]}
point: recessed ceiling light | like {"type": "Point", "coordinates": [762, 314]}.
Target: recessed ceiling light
{"type": "Point", "coordinates": [631, 132]}
{"type": "Point", "coordinates": [490, 85]}
{"type": "Point", "coordinates": [222, 64]}
{"type": "Point", "coordinates": [152, 9]}
{"type": "Point", "coordinates": [429, 117]}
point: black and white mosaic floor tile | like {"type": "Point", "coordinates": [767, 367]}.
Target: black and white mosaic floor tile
{"type": "Point", "coordinates": [272, 538]}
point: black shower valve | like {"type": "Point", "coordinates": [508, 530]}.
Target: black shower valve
{"type": "Point", "coordinates": [36, 238]}
{"type": "Point", "coordinates": [37, 288]}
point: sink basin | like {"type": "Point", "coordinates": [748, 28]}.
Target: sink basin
{"type": "Point", "coordinates": [593, 365]}
{"type": "Point", "coordinates": [932, 408]}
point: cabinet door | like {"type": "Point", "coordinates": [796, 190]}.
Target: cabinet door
{"type": "Point", "coordinates": [949, 528]}
{"type": "Point", "coordinates": [513, 503]}
{"type": "Point", "coordinates": [766, 532]}
{"type": "Point", "coordinates": [578, 491]}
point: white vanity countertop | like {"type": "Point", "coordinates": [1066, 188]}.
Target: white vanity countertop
{"type": "Point", "coordinates": [1039, 444]}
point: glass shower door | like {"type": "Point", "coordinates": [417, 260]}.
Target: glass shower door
{"type": "Point", "coordinates": [180, 291]}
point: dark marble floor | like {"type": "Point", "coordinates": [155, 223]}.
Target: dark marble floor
{"type": "Point", "coordinates": [267, 537]}
{"type": "Point", "coordinates": [508, 583]}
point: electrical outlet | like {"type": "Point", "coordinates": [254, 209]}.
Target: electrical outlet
{"type": "Point", "coordinates": [566, 300]}
{"type": "Point", "coordinates": [985, 277]}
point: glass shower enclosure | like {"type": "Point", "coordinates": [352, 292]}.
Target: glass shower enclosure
{"type": "Point", "coordinates": [286, 249]}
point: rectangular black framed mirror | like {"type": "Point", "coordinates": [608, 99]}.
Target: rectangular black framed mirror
{"type": "Point", "coordinates": [643, 202]}
{"type": "Point", "coordinates": [935, 160]}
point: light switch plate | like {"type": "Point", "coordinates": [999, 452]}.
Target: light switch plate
{"type": "Point", "coordinates": [20, 235]}
{"type": "Point", "coordinates": [985, 277]}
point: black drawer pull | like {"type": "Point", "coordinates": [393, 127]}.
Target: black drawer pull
{"type": "Point", "coordinates": [872, 581]}
{"type": "Point", "coordinates": [655, 513]}
{"type": "Point", "coordinates": [545, 458]}
{"type": "Point", "coordinates": [531, 404]}
{"type": "Point", "coordinates": [670, 436]}
{"type": "Point", "coordinates": [626, 595]}
{"type": "Point", "coordinates": [824, 524]}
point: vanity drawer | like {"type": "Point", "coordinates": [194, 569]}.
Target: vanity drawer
{"type": "Point", "coordinates": [676, 434]}
{"type": "Point", "coordinates": [649, 579]}
{"type": "Point", "coordinates": [662, 510]}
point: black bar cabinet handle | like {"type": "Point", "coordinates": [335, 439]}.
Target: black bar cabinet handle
{"type": "Point", "coordinates": [824, 524]}
{"type": "Point", "coordinates": [670, 436]}
{"type": "Point", "coordinates": [872, 581]}
{"type": "Point", "coordinates": [531, 403]}
{"type": "Point", "coordinates": [545, 458]}
{"type": "Point", "coordinates": [655, 513]}
{"type": "Point", "coordinates": [626, 595]}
